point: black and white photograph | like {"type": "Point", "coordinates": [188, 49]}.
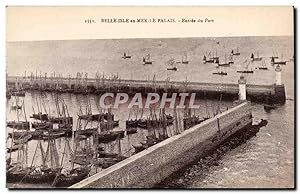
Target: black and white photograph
{"type": "Point", "coordinates": [150, 97]}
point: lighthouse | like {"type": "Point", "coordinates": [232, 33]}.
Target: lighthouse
{"type": "Point", "coordinates": [278, 75]}
{"type": "Point", "coordinates": [242, 88]}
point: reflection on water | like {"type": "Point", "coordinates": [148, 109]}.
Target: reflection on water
{"type": "Point", "coordinates": [77, 103]}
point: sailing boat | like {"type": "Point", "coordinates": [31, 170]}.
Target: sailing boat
{"type": "Point", "coordinates": [68, 178]}
{"type": "Point", "coordinates": [40, 115]}
{"type": "Point", "coordinates": [246, 70]}
{"type": "Point", "coordinates": [253, 58]}
{"type": "Point", "coordinates": [126, 55]}
{"type": "Point", "coordinates": [16, 105]}
{"type": "Point", "coordinates": [15, 172]}
{"type": "Point", "coordinates": [106, 159]}
{"type": "Point", "coordinates": [63, 118]}
{"type": "Point", "coordinates": [184, 59]}
{"type": "Point", "coordinates": [35, 174]}
{"type": "Point", "coordinates": [230, 61]}
{"type": "Point", "coordinates": [146, 60]}
{"type": "Point", "coordinates": [263, 66]}
{"type": "Point", "coordinates": [274, 62]}
{"type": "Point", "coordinates": [18, 91]}
{"type": "Point", "coordinates": [131, 125]}
{"type": "Point", "coordinates": [171, 62]}
{"type": "Point", "coordinates": [225, 64]}
{"type": "Point", "coordinates": [19, 125]}
{"type": "Point", "coordinates": [235, 52]}
{"type": "Point", "coordinates": [220, 73]}
{"type": "Point", "coordinates": [209, 59]}
{"type": "Point", "coordinates": [106, 134]}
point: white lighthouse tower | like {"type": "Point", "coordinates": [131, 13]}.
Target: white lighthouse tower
{"type": "Point", "coordinates": [278, 75]}
{"type": "Point", "coordinates": [242, 88]}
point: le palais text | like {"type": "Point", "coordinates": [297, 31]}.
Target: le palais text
{"type": "Point", "coordinates": [149, 20]}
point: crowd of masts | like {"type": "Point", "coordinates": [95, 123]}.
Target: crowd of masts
{"type": "Point", "coordinates": [93, 130]}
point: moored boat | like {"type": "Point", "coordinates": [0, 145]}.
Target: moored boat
{"type": "Point", "coordinates": [21, 125]}
{"type": "Point", "coordinates": [72, 177]}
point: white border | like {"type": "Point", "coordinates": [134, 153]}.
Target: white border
{"type": "Point", "coordinates": [3, 3]}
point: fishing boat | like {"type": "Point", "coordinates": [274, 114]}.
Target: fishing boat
{"type": "Point", "coordinates": [106, 125]}
{"type": "Point", "coordinates": [184, 59]}
{"type": "Point", "coordinates": [235, 52]}
{"type": "Point", "coordinates": [107, 159]}
{"type": "Point", "coordinates": [274, 62]}
{"type": "Point", "coordinates": [209, 59]}
{"type": "Point", "coordinates": [172, 68]}
{"type": "Point", "coordinates": [83, 157]}
{"type": "Point", "coordinates": [246, 69]}
{"type": "Point", "coordinates": [190, 120]}
{"type": "Point", "coordinates": [40, 175]}
{"type": "Point", "coordinates": [65, 177]}
{"type": "Point", "coordinates": [94, 117]}
{"type": "Point", "coordinates": [32, 174]}
{"type": "Point", "coordinates": [220, 73]}
{"type": "Point", "coordinates": [253, 58]}
{"type": "Point", "coordinates": [225, 64]}
{"type": "Point", "coordinates": [63, 116]}
{"type": "Point", "coordinates": [146, 60]}
{"type": "Point", "coordinates": [40, 116]}
{"type": "Point", "coordinates": [61, 120]}
{"type": "Point", "coordinates": [22, 140]}
{"type": "Point", "coordinates": [52, 134]}
{"type": "Point", "coordinates": [16, 105]}
{"type": "Point", "coordinates": [230, 60]}
{"type": "Point", "coordinates": [18, 93]}
{"type": "Point", "coordinates": [132, 123]}
{"type": "Point", "coordinates": [152, 123]}
{"type": "Point", "coordinates": [108, 162]}
{"type": "Point", "coordinates": [205, 60]}
{"type": "Point", "coordinates": [273, 58]}
{"type": "Point", "coordinates": [35, 134]}
{"type": "Point", "coordinates": [263, 66]}
{"type": "Point", "coordinates": [86, 132]}
{"type": "Point", "coordinates": [108, 136]}
{"type": "Point", "coordinates": [71, 177]}
{"type": "Point", "coordinates": [21, 125]}
{"type": "Point", "coordinates": [16, 173]}
{"type": "Point", "coordinates": [126, 56]}
{"type": "Point", "coordinates": [41, 125]}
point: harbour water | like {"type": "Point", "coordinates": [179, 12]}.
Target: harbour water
{"type": "Point", "coordinates": [266, 160]}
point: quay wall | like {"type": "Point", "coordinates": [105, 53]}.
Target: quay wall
{"type": "Point", "coordinates": [151, 166]}
{"type": "Point", "coordinates": [257, 93]}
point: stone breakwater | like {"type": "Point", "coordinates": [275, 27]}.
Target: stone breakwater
{"type": "Point", "coordinates": [257, 93]}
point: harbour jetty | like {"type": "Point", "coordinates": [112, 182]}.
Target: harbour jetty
{"type": "Point", "coordinates": [154, 164]}
{"type": "Point", "coordinates": [98, 85]}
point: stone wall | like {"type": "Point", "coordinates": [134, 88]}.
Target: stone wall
{"type": "Point", "coordinates": [156, 163]}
